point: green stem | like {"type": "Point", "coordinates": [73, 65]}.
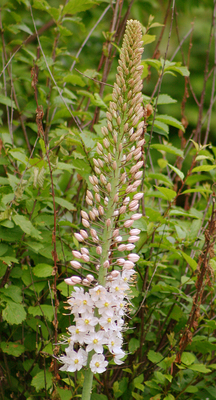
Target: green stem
{"type": "Point", "coordinates": [88, 378]}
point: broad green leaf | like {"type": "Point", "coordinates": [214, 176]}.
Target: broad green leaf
{"type": "Point", "coordinates": [13, 292]}
{"type": "Point", "coordinates": [168, 149]}
{"type": "Point", "coordinates": [39, 381]}
{"type": "Point", "coordinates": [191, 389]}
{"type": "Point", "coordinates": [148, 39]}
{"type": "Point", "coordinates": [24, 28]}
{"type": "Point", "coordinates": [14, 313]}
{"type": "Point", "coordinates": [169, 397]}
{"type": "Point", "coordinates": [133, 345]}
{"type": "Point", "coordinates": [199, 368]}
{"type": "Point", "coordinates": [153, 63]}
{"type": "Point", "coordinates": [187, 358]}
{"type": "Point", "coordinates": [96, 396]}
{"type": "Point", "coordinates": [176, 313]}
{"type": "Point", "coordinates": [74, 6]}
{"type": "Point", "coordinates": [41, 5]}
{"type": "Point", "coordinates": [154, 357]}
{"type": "Point", "coordinates": [161, 177]}
{"type": "Point", "coordinates": [17, 155]}
{"type": "Point", "coordinates": [168, 193]}
{"type": "Point", "coordinates": [12, 348]}
{"type": "Point", "coordinates": [7, 101]}
{"type": "Point", "coordinates": [167, 119]}
{"type": "Point", "coordinates": [165, 99]}
{"type": "Point", "coordinates": [64, 203]}
{"type": "Point", "coordinates": [190, 261]}
{"type": "Point", "coordinates": [26, 226]}
{"type": "Point", "coordinates": [177, 171]}
{"type": "Point", "coordinates": [44, 310]}
{"type": "Point", "coordinates": [160, 127]}
{"type": "Point", "coordinates": [203, 168]}
{"type": "Point", "coordinates": [43, 270]}
{"type": "Point", "coordinates": [74, 80]}
{"type": "Point", "coordinates": [181, 70]}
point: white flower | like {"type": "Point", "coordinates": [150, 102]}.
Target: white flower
{"type": "Point", "coordinates": [98, 363]}
{"type": "Point", "coordinates": [118, 356]}
{"type": "Point", "coordinates": [76, 334]}
{"type": "Point", "coordinates": [108, 323]}
{"type": "Point", "coordinates": [95, 341]}
{"type": "Point", "coordinates": [74, 361]}
{"type": "Point", "coordinates": [86, 323]}
{"type": "Point", "coordinates": [114, 344]}
{"type": "Point", "coordinates": [97, 292]}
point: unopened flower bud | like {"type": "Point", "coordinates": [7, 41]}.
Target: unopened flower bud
{"type": "Point", "coordinates": [101, 210]}
{"type": "Point", "coordinates": [120, 261]}
{"type": "Point", "coordinates": [108, 222]}
{"type": "Point", "coordinates": [133, 257]}
{"type": "Point", "coordinates": [133, 239]}
{"type": "Point", "coordinates": [84, 234]}
{"type": "Point", "coordinates": [130, 246]}
{"type": "Point", "coordinates": [109, 187]}
{"type": "Point", "coordinates": [134, 217]}
{"type": "Point", "coordinates": [128, 265]}
{"type": "Point", "coordinates": [99, 250]}
{"type": "Point", "coordinates": [85, 258]}
{"type": "Point", "coordinates": [128, 223]}
{"type": "Point", "coordinates": [76, 254]}
{"type": "Point", "coordinates": [74, 280]}
{"type": "Point", "coordinates": [90, 277]}
{"type": "Point", "coordinates": [75, 264]}
{"type": "Point", "coordinates": [84, 250]}
{"type": "Point", "coordinates": [106, 264]}
{"type": "Point", "coordinates": [78, 237]}
{"type": "Point", "coordinates": [85, 223]}
{"type": "Point", "coordinates": [122, 247]}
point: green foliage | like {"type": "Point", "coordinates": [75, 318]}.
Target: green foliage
{"type": "Point", "coordinates": [171, 329]}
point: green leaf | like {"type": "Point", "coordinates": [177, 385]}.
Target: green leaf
{"type": "Point", "coordinates": [74, 6]}
{"type": "Point", "coordinates": [161, 177]}
{"type": "Point", "coordinates": [44, 310]}
{"type": "Point", "coordinates": [203, 168]}
{"type": "Point", "coordinates": [133, 345]}
{"type": "Point", "coordinates": [42, 270]}
{"type": "Point", "coordinates": [165, 99]}
{"type": "Point", "coordinates": [187, 358]}
{"type": "Point", "coordinates": [191, 389]}
{"type": "Point", "coordinates": [199, 189]}
{"type": "Point", "coordinates": [181, 70]}
{"type": "Point", "coordinates": [65, 204]}
{"type": "Point", "coordinates": [14, 313]}
{"type": "Point", "coordinates": [26, 226]}
{"type": "Point", "coordinates": [168, 149]}
{"type": "Point", "coordinates": [169, 397]}
{"type": "Point", "coordinates": [154, 357]}
{"type": "Point", "coordinates": [39, 381]}
{"type": "Point", "coordinates": [13, 292]}
{"type": "Point", "coordinates": [148, 39]}
{"type": "Point", "coordinates": [7, 101]}
{"type": "Point", "coordinates": [190, 261]}
{"type": "Point", "coordinates": [17, 155]}
{"type": "Point", "coordinates": [14, 349]}
{"type": "Point", "coordinates": [96, 396]}
{"type": "Point", "coordinates": [199, 368]}
{"type": "Point", "coordinates": [177, 171]}
{"type": "Point", "coordinates": [168, 193]}
{"type": "Point", "coordinates": [74, 80]}
{"type": "Point", "coordinates": [167, 119]}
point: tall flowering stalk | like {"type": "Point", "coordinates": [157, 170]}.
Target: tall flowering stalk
{"type": "Point", "coordinates": [108, 239]}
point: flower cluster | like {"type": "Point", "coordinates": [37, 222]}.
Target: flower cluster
{"type": "Point", "coordinates": [108, 237]}
{"type": "Point", "coordinates": [96, 332]}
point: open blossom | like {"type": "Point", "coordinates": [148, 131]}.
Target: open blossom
{"type": "Point", "coordinates": [109, 234]}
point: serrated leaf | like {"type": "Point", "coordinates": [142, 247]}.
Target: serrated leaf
{"type": "Point", "coordinates": [39, 381]}
{"type": "Point", "coordinates": [26, 226]}
{"type": "Point", "coordinates": [168, 193]}
{"type": "Point", "coordinates": [42, 270]}
{"type": "Point", "coordinates": [165, 99]}
{"type": "Point", "coordinates": [44, 310]}
{"type": "Point", "coordinates": [14, 349]}
{"type": "Point", "coordinates": [154, 357]}
{"type": "Point", "coordinates": [7, 101]}
{"type": "Point", "coordinates": [13, 292]}
{"type": "Point", "coordinates": [168, 149]}
{"type": "Point", "coordinates": [14, 313]}
{"type": "Point", "coordinates": [74, 6]}
{"type": "Point", "coordinates": [190, 261]}
{"type": "Point", "coordinates": [181, 70]}
{"type": "Point", "coordinates": [187, 358]}
{"type": "Point", "coordinates": [133, 345]}
{"type": "Point", "coordinates": [74, 80]}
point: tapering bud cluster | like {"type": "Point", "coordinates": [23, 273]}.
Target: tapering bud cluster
{"type": "Point", "coordinates": [108, 237]}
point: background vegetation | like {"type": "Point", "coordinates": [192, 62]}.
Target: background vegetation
{"type": "Point", "coordinates": [55, 56]}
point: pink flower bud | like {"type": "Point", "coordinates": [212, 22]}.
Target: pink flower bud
{"type": "Point", "coordinates": [128, 223]}
{"type": "Point", "coordinates": [84, 234]}
{"type": "Point", "coordinates": [89, 194]}
{"type": "Point", "coordinates": [75, 264]}
{"type": "Point", "coordinates": [99, 250]}
{"type": "Point", "coordinates": [115, 232]}
{"type": "Point", "coordinates": [126, 200]}
{"type": "Point", "coordinates": [118, 239]}
{"type": "Point", "coordinates": [85, 258]}
{"type": "Point", "coordinates": [133, 257]}
{"type": "Point", "coordinates": [122, 209]}
{"type": "Point", "coordinates": [90, 277]}
{"type": "Point", "coordinates": [133, 239]}
{"type": "Point", "coordinates": [84, 250]}
{"type": "Point", "coordinates": [130, 246]}
{"type": "Point", "coordinates": [97, 197]}
{"type": "Point", "coordinates": [101, 210]}
{"type": "Point", "coordinates": [108, 222]}
{"type": "Point", "coordinates": [114, 274]}
{"type": "Point", "coordinates": [79, 237]}
{"type": "Point", "coordinates": [85, 223]}
{"type": "Point", "coordinates": [138, 175]}
{"type": "Point", "coordinates": [136, 184]}
{"type": "Point", "coordinates": [120, 261]}
{"type": "Point", "coordinates": [138, 196]}
{"type": "Point", "coordinates": [106, 264]}
{"type": "Point", "coordinates": [122, 247]}
{"type": "Point", "coordinates": [84, 214]}
{"type": "Point", "coordinates": [133, 203]}
{"type": "Point", "coordinates": [85, 282]}
{"type": "Point", "coordinates": [76, 254]}
{"type": "Point", "coordinates": [135, 231]}
{"type": "Point", "coordinates": [134, 217]}
{"type": "Point", "coordinates": [128, 265]}
{"type": "Point", "coordinates": [93, 232]}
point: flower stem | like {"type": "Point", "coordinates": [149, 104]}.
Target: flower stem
{"type": "Point", "coordinates": [88, 378]}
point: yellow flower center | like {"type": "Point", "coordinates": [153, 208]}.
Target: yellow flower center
{"type": "Point", "coordinates": [109, 320]}
{"type": "Point", "coordinates": [77, 330]}
{"type": "Point", "coordinates": [86, 321]}
{"type": "Point", "coordinates": [76, 361]}
{"type": "Point", "coordinates": [116, 288]}
{"type": "Point", "coordinates": [95, 341]}
{"type": "Point", "coordinates": [112, 343]}
{"type": "Point", "coordinates": [106, 304]}
{"type": "Point", "coordinates": [97, 364]}
{"type": "Point", "coordinates": [84, 302]}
